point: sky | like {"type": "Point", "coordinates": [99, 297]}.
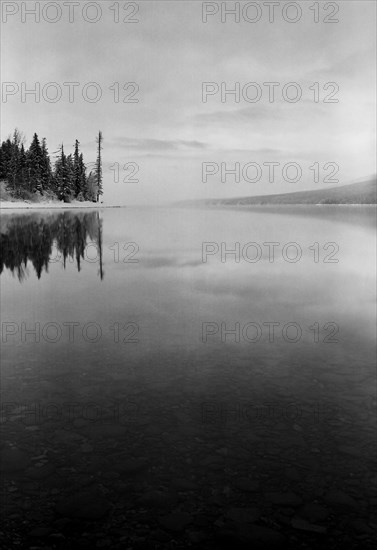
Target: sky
{"type": "Point", "coordinates": [176, 136]}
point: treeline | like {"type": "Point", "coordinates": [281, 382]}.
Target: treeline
{"type": "Point", "coordinates": [29, 173]}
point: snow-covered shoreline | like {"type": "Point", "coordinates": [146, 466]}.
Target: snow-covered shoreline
{"type": "Point", "coordinates": [22, 205]}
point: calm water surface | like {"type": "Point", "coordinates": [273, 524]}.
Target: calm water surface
{"type": "Point", "coordinates": [153, 376]}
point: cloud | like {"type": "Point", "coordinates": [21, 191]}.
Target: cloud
{"type": "Point", "coordinates": [148, 144]}
{"type": "Point", "coordinates": [244, 114]}
{"type": "Point", "coordinates": [159, 261]}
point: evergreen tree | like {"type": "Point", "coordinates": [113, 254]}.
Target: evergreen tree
{"type": "Point", "coordinates": [76, 169]}
{"type": "Point", "coordinates": [62, 182]}
{"type": "Point", "coordinates": [70, 173]}
{"type": "Point", "coordinates": [35, 166]}
{"type": "Point", "coordinates": [92, 187]}
{"type": "Point", "coordinates": [16, 173]}
{"type": "Point", "coordinates": [83, 181]}
{"type": "Point", "coordinates": [5, 156]}
{"type": "Point", "coordinates": [13, 166]}
{"type": "Point", "coordinates": [80, 183]}
{"type": "Point", "coordinates": [58, 170]}
{"type": "Point", "coordinates": [71, 176]}
{"type": "Point", "coordinates": [80, 180]}
{"type": "Point", "coordinates": [22, 171]}
{"type": "Point", "coordinates": [98, 170]}
{"type": "Point", "coordinates": [46, 173]}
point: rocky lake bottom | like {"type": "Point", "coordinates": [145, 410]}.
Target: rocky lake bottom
{"type": "Point", "coordinates": [177, 464]}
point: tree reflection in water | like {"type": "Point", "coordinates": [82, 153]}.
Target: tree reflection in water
{"type": "Point", "coordinates": [43, 238]}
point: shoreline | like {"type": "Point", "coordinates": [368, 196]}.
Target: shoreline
{"type": "Point", "coordinates": [271, 204]}
{"type": "Point", "coordinates": [4, 205]}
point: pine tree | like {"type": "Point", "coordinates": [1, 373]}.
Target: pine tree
{"type": "Point", "coordinates": [13, 166]}
{"type": "Point", "coordinates": [35, 166]}
{"type": "Point", "coordinates": [80, 183]}
{"type": "Point", "coordinates": [92, 187]}
{"type": "Point", "coordinates": [62, 182]}
{"type": "Point", "coordinates": [76, 169]}
{"type": "Point", "coordinates": [22, 171]}
{"type": "Point", "coordinates": [83, 180]}
{"type": "Point", "coordinates": [12, 170]}
{"type": "Point", "coordinates": [46, 173]}
{"type": "Point", "coordinates": [70, 173]}
{"type": "Point", "coordinates": [58, 171]}
{"type": "Point", "coordinates": [98, 169]}
{"type": "Point", "coordinates": [5, 156]}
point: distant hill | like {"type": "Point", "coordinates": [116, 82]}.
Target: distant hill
{"type": "Point", "coordinates": [363, 192]}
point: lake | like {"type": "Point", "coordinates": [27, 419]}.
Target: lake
{"type": "Point", "coordinates": [203, 376]}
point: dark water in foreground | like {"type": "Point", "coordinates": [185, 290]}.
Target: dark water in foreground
{"type": "Point", "coordinates": [150, 399]}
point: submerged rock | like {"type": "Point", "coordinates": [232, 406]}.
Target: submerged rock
{"type": "Point", "coordinates": [242, 515]}
{"type": "Point", "coordinates": [177, 521]}
{"type": "Point", "coordinates": [251, 536]}
{"type": "Point", "coordinates": [41, 472]}
{"type": "Point", "coordinates": [13, 460]}
{"type": "Point", "coordinates": [304, 525]}
{"type": "Point", "coordinates": [89, 504]}
{"type": "Point", "coordinates": [158, 499]}
{"type": "Point", "coordinates": [247, 485]}
{"type": "Point", "coordinates": [283, 499]}
{"type": "Point", "coordinates": [40, 532]}
{"type": "Point", "coordinates": [128, 466]}
{"type": "Point", "coordinates": [314, 512]}
{"type": "Point", "coordinates": [340, 498]}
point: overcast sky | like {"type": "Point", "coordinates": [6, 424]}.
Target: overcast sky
{"type": "Point", "coordinates": [170, 132]}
